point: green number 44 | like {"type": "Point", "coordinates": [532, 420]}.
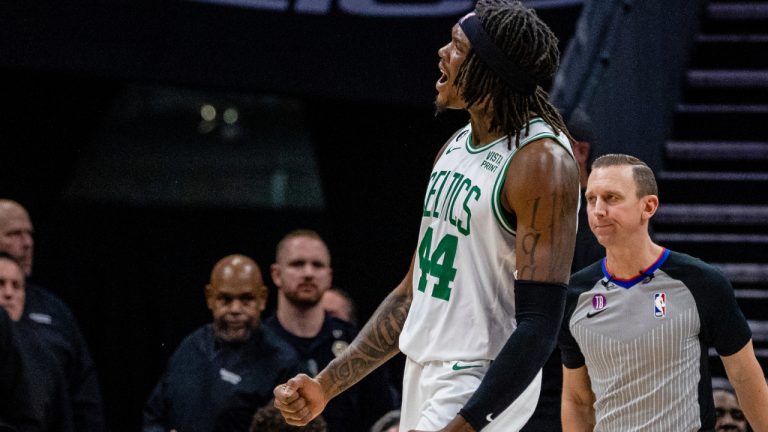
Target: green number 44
{"type": "Point", "coordinates": [438, 264]}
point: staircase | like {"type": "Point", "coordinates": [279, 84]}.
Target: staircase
{"type": "Point", "coordinates": [714, 186]}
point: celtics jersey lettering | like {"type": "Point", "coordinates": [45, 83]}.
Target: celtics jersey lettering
{"type": "Point", "coordinates": [463, 280]}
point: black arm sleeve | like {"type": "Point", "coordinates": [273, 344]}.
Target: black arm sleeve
{"type": "Point", "coordinates": [539, 312]}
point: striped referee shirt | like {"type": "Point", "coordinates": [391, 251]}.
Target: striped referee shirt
{"type": "Point", "coordinates": [645, 342]}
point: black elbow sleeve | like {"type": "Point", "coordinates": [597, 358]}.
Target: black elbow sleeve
{"type": "Point", "coordinates": [539, 309]}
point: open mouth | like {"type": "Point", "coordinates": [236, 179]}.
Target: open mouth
{"type": "Point", "coordinates": [443, 76]}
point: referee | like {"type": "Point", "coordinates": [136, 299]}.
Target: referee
{"type": "Point", "coordinates": [639, 323]}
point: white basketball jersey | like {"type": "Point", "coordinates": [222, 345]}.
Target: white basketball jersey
{"type": "Point", "coordinates": [463, 281]}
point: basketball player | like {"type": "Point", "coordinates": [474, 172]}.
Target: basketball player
{"type": "Point", "coordinates": [478, 312]}
{"type": "Point", "coordinates": [639, 322]}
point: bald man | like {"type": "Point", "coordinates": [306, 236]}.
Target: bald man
{"type": "Point", "coordinates": [46, 318]}
{"type": "Point", "coordinates": [224, 371]}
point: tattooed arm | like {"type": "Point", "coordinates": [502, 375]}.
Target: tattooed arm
{"type": "Point", "coordinates": [302, 398]}
{"type": "Point", "coordinates": [542, 190]}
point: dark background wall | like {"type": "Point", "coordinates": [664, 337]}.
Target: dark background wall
{"type": "Point", "coordinates": [134, 275]}
{"type": "Point", "coordinates": [626, 62]}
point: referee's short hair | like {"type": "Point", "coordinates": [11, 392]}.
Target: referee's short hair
{"type": "Point", "coordinates": [641, 172]}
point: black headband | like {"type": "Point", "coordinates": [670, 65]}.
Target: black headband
{"type": "Point", "coordinates": [492, 56]}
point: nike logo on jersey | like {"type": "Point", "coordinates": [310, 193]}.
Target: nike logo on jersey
{"type": "Point", "coordinates": [452, 149]}
{"type": "Point", "coordinates": [458, 367]}
{"type": "Point", "coordinates": [594, 313]}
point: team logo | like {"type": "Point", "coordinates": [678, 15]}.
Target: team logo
{"type": "Point", "coordinates": [338, 347]}
{"type": "Point", "coordinates": [660, 305]}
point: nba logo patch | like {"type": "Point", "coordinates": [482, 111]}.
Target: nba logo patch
{"type": "Point", "coordinates": [598, 302]}
{"type": "Point", "coordinates": [660, 305]}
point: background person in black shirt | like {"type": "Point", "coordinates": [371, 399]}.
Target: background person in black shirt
{"type": "Point", "coordinates": [224, 371]}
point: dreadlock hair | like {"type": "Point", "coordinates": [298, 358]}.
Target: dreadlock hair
{"type": "Point", "coordinates": [519, 33]}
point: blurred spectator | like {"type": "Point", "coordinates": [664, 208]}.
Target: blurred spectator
{"type": "Point", "coordinates": [269, 419]}
{"type": "Point", "coordinates": [12, 293]}
{"type": "Point", "coordinates": [223, 371]}
{"type": "Point", "coordinates": [16, 409]}
{"type": "Point", "coordinates": [302, 273]}
{"type": "Point", "coordinates": [44, 389]}
{"type": "Point", "coordinates": [339, 304]}
{"type": "Point", "coordinates": [53, 324]}
{"type": "Point", "coordinates": [730, 417]}
{"type": "Point", "coordinates": [390, 422]}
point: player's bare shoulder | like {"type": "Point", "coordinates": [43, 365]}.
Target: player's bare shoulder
{"type": "Point", "coordinates": [541, 167]}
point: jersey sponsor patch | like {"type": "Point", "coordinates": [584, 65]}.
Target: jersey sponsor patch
{"type": "Point", "coordinates": [492, 161]}
{"type": "Point", "coordinates": [659, 305]}
{"type": "Point", "coordinates": [229, 377]}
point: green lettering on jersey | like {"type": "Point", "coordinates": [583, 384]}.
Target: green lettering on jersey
{"type": "Point", "coordinates": [439, 192]}
{"type": "Point", "coordinates": [449, 193]}
{"type": "Point", "coordinates": [464, 184]}
{"type": "Point", "coordinates": [438, 264]}
{"type": "Point", "coordinates": [464, 229]}
{"type": "Point", "coordinates": [433, 179]}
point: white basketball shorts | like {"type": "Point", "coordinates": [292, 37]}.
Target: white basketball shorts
{"type": "Point", "coordinates": [434, 392]}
